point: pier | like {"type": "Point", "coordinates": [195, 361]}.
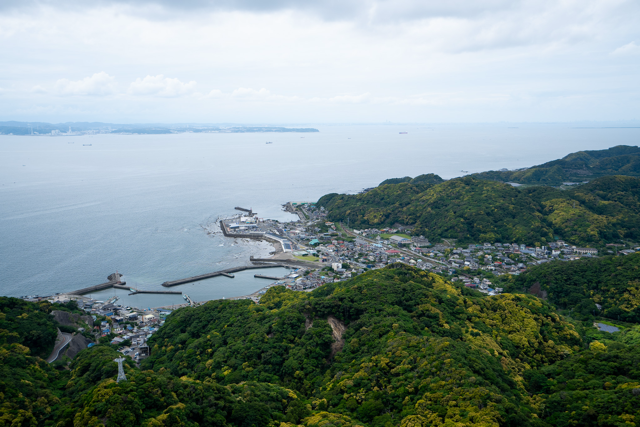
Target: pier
{"type": "Point", "coordinates": [107, 285]}
{"type": "Point", "coordinates": [226, 273]}
{"type": "Point", "coordinates": [138, 291]}
{"type": "Point", "coordinates": [249, 211]}
{"type": "Point", "coordinates": [231, 276]}
{"type": "Point", "coordinates": [261, 276]}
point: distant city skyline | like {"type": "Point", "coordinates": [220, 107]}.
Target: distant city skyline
{"type": "Point", "coordinates": [319, 62]}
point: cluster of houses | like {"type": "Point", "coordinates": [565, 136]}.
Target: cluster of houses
{"type": "Point", "coordinates": [128, 326]}
{"type": "Point", "coordinates": [348, 253]}
{"type": "Point", "coordinates": [345, 253]}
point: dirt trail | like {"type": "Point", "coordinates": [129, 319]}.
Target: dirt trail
{"type": "Point", "coordinates": [338, 329]}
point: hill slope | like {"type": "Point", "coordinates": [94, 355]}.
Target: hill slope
{"type": "Point", "coordinates": [575, 167]}
{"type": "Point", "coordinates": [473, 210]}
{"type": "Point", "coordinates": [385, 347]}
{"type": "Point", "coordinates": [392, 347]}
{"type": "Point", "coordinates": [611, 282]}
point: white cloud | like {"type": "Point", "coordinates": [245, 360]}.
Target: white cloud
{"type": "Point", "coordinates": [215, 93]}
{"type": "Point", "coordinates": [99, 84]}
{"type": "Point", "coordinates": [373, 59]}
{"type": "Point", "coordinates": [247, 92]}
{"type": "Point", "coordinates": [351, 99]}
{"type": "Point", "coordinates": [38, 89]}
{"type": "Point", "coordinates": [627, 49]}
{"type": "Point", "coordinates": [161, 86]}
{"type": "Point", "coordinates": [262, 95]}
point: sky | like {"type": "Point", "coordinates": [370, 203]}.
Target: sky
{"type": "Point", "coordinates": [319, 61]}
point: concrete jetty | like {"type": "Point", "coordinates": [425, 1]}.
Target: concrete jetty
{"type": "Point", "coordinates": [249, 211]}
{"type": "Point", "coordinates": [138, 291]}
{"type": "Point", "coordinates": [226, 272]}
{"type": "Point", "coordinates": [231, 276]}
{"type": "Point", "coordinates": [262, 276]}
{"type": "Point", "coordinates": [97, 288]}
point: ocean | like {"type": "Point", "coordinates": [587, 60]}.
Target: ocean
{"type": "Point", "coordinates": [71, 214]}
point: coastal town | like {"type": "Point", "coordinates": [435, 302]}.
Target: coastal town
{"type": "Point", "coordinates": [338, 253]}
{"type": "Point", "coordinates": [316, 252]}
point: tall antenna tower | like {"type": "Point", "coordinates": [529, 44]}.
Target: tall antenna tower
{"type": "Point", "coordinates": [121, 375]}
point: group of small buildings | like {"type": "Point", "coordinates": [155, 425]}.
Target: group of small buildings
{"type": "Point", "coordinates": [346, 254]}
{"type": "Point", "coordinates": [126, 325]}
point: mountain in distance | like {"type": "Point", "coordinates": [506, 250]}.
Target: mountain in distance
{"type": "Point", "coordinates": [574, 168]}
{"type": "Point", "coordinates": [391, 347]}
{"type": "Point", "coordinates": [79, 128]}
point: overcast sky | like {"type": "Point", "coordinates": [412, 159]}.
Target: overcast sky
{"type": "Point", "coordinates": [319, 61]}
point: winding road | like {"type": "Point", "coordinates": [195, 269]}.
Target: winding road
{"type": "Point", "coordinates": [60, 344]}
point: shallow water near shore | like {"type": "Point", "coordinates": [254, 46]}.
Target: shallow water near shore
{"type": "Point", "coordinates": [71, 214]}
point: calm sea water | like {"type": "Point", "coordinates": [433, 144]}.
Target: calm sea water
{"type": "Point", "coordinates": [72, 214]}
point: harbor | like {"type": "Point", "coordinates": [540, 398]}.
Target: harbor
{"type": "Point", "coordinates": [242, 281]}
{"type": "Point", "coordinates": [217, 287]}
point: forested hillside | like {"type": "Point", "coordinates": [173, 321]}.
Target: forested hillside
{"type": "Point", "coordinates": [391, 347]}
{"type": "Point", "coordinates": [473, 210]}
{"type": "Point", "coordinates": [429, 178]}
{"type": "Point", "coordinates": [575, 167]}
{"type": "Point", "coordinates": [611, 282]}
{"type": "Point", "coordinates": [29, 324]}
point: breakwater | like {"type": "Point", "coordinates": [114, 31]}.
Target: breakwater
{"type": "Point", "coordinates": [138, 291]}
{"type": "Point", "coordinates": [100, 287]}
{"type": "Point", "coordinates": [226, 272]}
{"type": "Point", "coordinates": [262, 276]}
{"type": "Point", "coordinates": [249, 211]}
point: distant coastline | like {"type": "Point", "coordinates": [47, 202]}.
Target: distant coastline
{"type": "Point", "coordinates": [82, 128]}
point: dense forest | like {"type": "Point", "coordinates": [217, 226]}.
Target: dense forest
{"type": "Point", "coordinates": [429, 178]}
{"type": "Point", "coordinates": [391, 347]}
{"type": "Point", "coordinates": [473, 210]}
{"type": "Point", "coordinates": [613, 283]}
{"type": "Point", "coordinates": [575, 167]}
